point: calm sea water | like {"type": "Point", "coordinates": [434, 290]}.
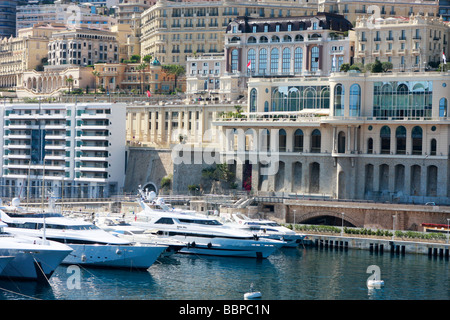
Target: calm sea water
{"type": "Point", "coordinates": [290, 274]}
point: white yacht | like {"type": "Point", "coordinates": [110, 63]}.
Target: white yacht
{"type": "Point", "coordinates": [204, 235]}
{"type": "Point", "coordinates": [123, 229]}
{"type": "Point", "coordinates": [91, 245]}
{"type": "Point", "coordinates": [267, 229]}
{"type": "Point", "coordinates": [29, 258]}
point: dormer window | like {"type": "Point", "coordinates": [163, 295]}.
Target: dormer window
{"type": "Point", "coordinates": [254, 29]}
{"type": "Point", "coordinates": [277, 28]}
{"type": "Point", "coordinates": [266, 28]}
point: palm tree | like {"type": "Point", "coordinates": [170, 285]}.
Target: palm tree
{"type": "Point", "coordinates": [69, 82]}
{"type": "Point", "coordinates": [141, 68]}
{"type": "Point", "coordinates": [175, 70]}
{"type": "Point", "coordinates": [96, 75]}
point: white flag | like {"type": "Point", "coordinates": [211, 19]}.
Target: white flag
{"type": "Point", "coordinates": [444, 58]}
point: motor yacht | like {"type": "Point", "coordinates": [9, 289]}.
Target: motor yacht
{"type": "Point", "coordinates": [201, 234]}
{"type": "Point", "coordinates": [206, 236]}
{"type": "Point", "coordinates": [267, 229]}
{"type": "Point", "coordinates": [91, 245]}
{"type": "Point", "coordinates": [29, 258]}
{"type": "Point", "coordinates": [119, 227]}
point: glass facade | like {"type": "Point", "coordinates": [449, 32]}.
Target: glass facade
{"type": "Point", "coordinates": [297, 98]}
{"type": "Point", "coordinates": [402, 99]}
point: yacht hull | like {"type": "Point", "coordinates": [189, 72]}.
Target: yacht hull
{"type": "Point", "coordinates": [229, 248]}
{"type": "Point", "coordinates": [4, 260]}
{"type": "Point", "coordinates": [114, 256]}
{"type": "Point", "coordinates": [34, 263]}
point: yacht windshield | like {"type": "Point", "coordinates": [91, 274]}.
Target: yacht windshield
{"type": "Point", "coordinates": [201, 221]}
{"type": "Point", "coordinates": [34, 225]}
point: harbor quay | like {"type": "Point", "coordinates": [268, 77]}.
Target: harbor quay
{"type": "Point", "coordinates": [377, 246]}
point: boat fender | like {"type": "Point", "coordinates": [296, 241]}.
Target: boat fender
{"type": "Point", "coordinates": [193, 244]}
{"type": "Point", "coordinates": [118, 252]}
{"type": "Point", "coordinates": [209, 245]}
{"type": "Point", "coordinates": [83, 258]}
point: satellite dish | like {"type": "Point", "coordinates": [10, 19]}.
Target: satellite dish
{"type": "Point", "coordinates": [151, 195]}
{"type": "Point", "coordinates": [15, 202]}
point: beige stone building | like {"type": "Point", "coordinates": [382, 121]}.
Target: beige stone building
{"type": "Point", "coordinates": [173, 31]}
{"type": "Point", "coordinates": [204, 76]}
{"type": "Point", "coordinates": [380, 137]}
{"type": "Point", "coordinates": [129, 78]}
{"type": "Point", "coordinates": [352, 9]}
{"type": "Point", "coordinates": [168, 124]}
{"type": "Point", "coordinates": [24, 52]}
{"type": "Point", "coordinates": [129, 12]}
{"type": "Point", "coordinates": [82, 47]}
{"type": "Point", "coordinates": [128, 43]}
{"type": "Point", "coordinates": [409, 43]}
{"type": "Point", "coordinates": [314, 45]}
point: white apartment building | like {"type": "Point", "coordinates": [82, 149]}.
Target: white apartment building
{"type": "Point", "coordinates": [70, 14]}
{"type": "Point", "coordinates": [72, 150]}
{"type": "Point", "coordinates": [203, 78]}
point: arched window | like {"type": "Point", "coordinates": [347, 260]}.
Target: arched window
{"type": "Point", "coordinates": [234, 60]}
{"type": "Point", "coordinates": [298, 60]}
{"type": "Point", "coordinates": [253, 96]}
{"type": "Point", "coordinates": [274, 61]}
{"type": "Point", "coordinates": [251, 40]}
{"type": "Point", "coordinates": [265, 140]}
{"type": "Point", "coordinates": [286, 61]}
{"type": "Point", "coordinates": [416, 135]}
{"type": "Point", "coordinates": [402, 100]}
{"type": "Point", "coordinates": [262, 61]}
{"type": "Point", "coordinates": [370, 146]}
{"type": "Point", "coordinates": [287, 38]}
{"type": "Point", "coordinates": [339, 100]}
{"type": "Point", "coordinates": [266, 106]}
{"type": "Point", "coordinates": [263, 39]}
{"type": "Point", "coordinates": [293, 99]}
{"type": "Point", "coordinates": [355, 100]}
{"type": "Point", "coordinates": [325, 98]}
{"type": "Point", "coordinates": [315, 141]}
{"type": "Point", "coordinates": [298, 38]}
{"type": "Point", "coordinates": [400, 136]}
{"type": "Point", "coordinates": [385, 137]}
{"type": "Point", "coordinates": [314, 59]}
{"type": "Point", "coordinates": [443, 107]}
{"type": "Point", "coordinates": [251, 56]}
{"type": "Point", "coordinates": [341, 142]}
{"type": "Point", "coordinates": [433, 146]}
{"type": "Point", "coordinates": [275, 39]}
{"type": "Point", "coordinates": [386, 103]}
{"type": "Point", "coordinates": [298, 140]}
{"type": "Point", "coordinates": [282, 140]}
{"type": "Point", "coordinates": [309, 96]}
{"type": "Point", "coordinates": [277, 100]}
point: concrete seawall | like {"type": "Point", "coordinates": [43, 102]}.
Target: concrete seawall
{"type": "Point", "coordinates": [378, 245]}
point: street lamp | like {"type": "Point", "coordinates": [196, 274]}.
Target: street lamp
{"type": "Point", "coordinates": [342, 227]}
{"type": "Point", "coordinates": [393, 227]}
{"type": "Point", "coordinates": [448, 225]}
{"type": "Point", "coordinates": [294, 218]}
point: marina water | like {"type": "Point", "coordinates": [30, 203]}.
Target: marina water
{"type": "Point", "coordinates": [290, 274]}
